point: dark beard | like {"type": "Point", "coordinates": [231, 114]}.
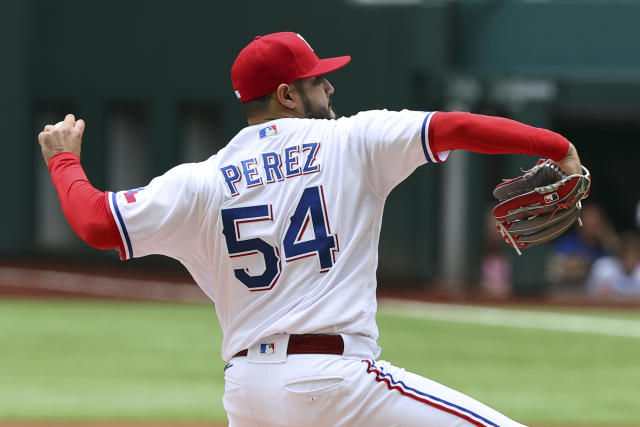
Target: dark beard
{"type": "Point", "coordinates": [317, 112]}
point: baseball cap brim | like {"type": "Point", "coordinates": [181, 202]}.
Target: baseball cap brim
{"type": "Point", "coordinates": [325, 66]}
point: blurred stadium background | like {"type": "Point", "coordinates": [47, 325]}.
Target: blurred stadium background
{"type": "Point", "coordinates": [152, 81]}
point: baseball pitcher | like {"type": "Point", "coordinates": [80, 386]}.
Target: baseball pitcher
{"type": "Point", "coordinates": [280, 229]}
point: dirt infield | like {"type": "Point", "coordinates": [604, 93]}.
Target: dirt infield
{"type": "Point", "coordinates": [170, 282]}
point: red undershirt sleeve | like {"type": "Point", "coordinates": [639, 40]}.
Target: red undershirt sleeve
{"type": "Point", "coordinates": [494, 135]}
{"type": "Point", "coordinates": [86, 209]}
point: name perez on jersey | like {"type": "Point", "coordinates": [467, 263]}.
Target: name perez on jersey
{"type": "Point", "coordinates": [272, 167]}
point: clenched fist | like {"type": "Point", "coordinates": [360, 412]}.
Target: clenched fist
{"type": "Point", "coordinates": [64, 137]}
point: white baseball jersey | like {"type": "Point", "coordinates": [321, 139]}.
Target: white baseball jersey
{"type": "Point", "coordinates": [280, 228]}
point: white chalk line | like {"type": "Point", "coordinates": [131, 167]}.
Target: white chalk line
{"type": "Point", "coordinates": [513, 318]}
{"type": "Point", "coordinates": [155, 290]}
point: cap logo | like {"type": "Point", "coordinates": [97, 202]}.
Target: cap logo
{"type": "Point", "coordinates": [238, 94]}
{"type": "Point", "coordinates": [302, 38]}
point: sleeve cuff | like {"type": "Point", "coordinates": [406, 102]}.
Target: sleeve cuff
{"type": "Point", "coordinates": [62, 156]}
{"type": "Point", "coordinates": [426, 136]}
{"type": "Point", "coordinates": [125, 250]}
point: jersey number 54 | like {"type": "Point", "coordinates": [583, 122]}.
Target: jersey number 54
{"type": "Point", "coordinates": [311, 210]}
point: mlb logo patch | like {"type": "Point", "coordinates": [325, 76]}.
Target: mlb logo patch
{"type": "Point", "coordinates": [550, 198]}
{"type": "Point", "coordinates": [268, 131]}
{"type": "Point", "coordinates": [268, 348]}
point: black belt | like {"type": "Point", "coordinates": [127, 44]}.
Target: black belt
{"type": "Point", "coordinates": [311, 344]}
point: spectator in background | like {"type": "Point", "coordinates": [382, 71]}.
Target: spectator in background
{"type": "Point", "coordinates": [618, 276]}
{"type": "Point", "coordinates": [496, 268]}
{"type": "Point", "coordinates": [575, 251]}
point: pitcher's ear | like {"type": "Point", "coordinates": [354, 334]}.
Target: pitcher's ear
{"type": "Point", "coordinates": [287, 95]}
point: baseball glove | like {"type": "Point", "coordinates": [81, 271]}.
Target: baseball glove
{"type": "Point", "coordinates": [539, 205]}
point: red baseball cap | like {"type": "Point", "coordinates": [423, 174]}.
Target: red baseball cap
{"type": "Point", "coordinates": [277, 58]}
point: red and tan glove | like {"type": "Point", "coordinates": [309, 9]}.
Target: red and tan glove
{"type": "Point", "coordinates": [539, 205]}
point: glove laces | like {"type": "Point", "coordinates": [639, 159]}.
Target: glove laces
{"type": "Point", "coordinates": [505, 233]}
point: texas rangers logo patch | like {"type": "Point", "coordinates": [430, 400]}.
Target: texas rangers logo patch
{"type": "Point", "coordinates": [268, 131]}
{"type": "Point", "coordinates": [130, 195]}
{"type": "Point", "coordinates": [268, 348]}
{"type": "Point", "coordinates": [550, 198]}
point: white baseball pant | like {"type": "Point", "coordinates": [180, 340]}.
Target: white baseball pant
{"type": "Point", "coordinates": [329, 390]}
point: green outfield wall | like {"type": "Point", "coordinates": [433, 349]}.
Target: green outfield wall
{"type": "Point", "coordinates": [152, 81]}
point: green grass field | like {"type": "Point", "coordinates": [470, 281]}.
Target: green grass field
{"type": "Point", "coordinates": [81, 360]}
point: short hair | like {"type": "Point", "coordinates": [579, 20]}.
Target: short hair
{"type": "Point", "coordinates": [256, 106]}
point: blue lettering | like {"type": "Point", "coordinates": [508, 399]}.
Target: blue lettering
{"type": "Point", "coordinates": [291, 163]}
{"type": "Point", "coordinates": [298, 160]}
{"type": "Point", "coordinates": [312, 148]}
{"type": "Point", "coordinates": [250, 172]}
{"type": "Point", "coordinates": [231, 176]}
{"type": "Point", "coordinates": [272, 166]}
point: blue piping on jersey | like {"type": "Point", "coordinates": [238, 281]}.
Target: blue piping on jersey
{"type": "Point", "coordinates": [124, 228]}
{"type": "Point", "coordinates": [424, 141]}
